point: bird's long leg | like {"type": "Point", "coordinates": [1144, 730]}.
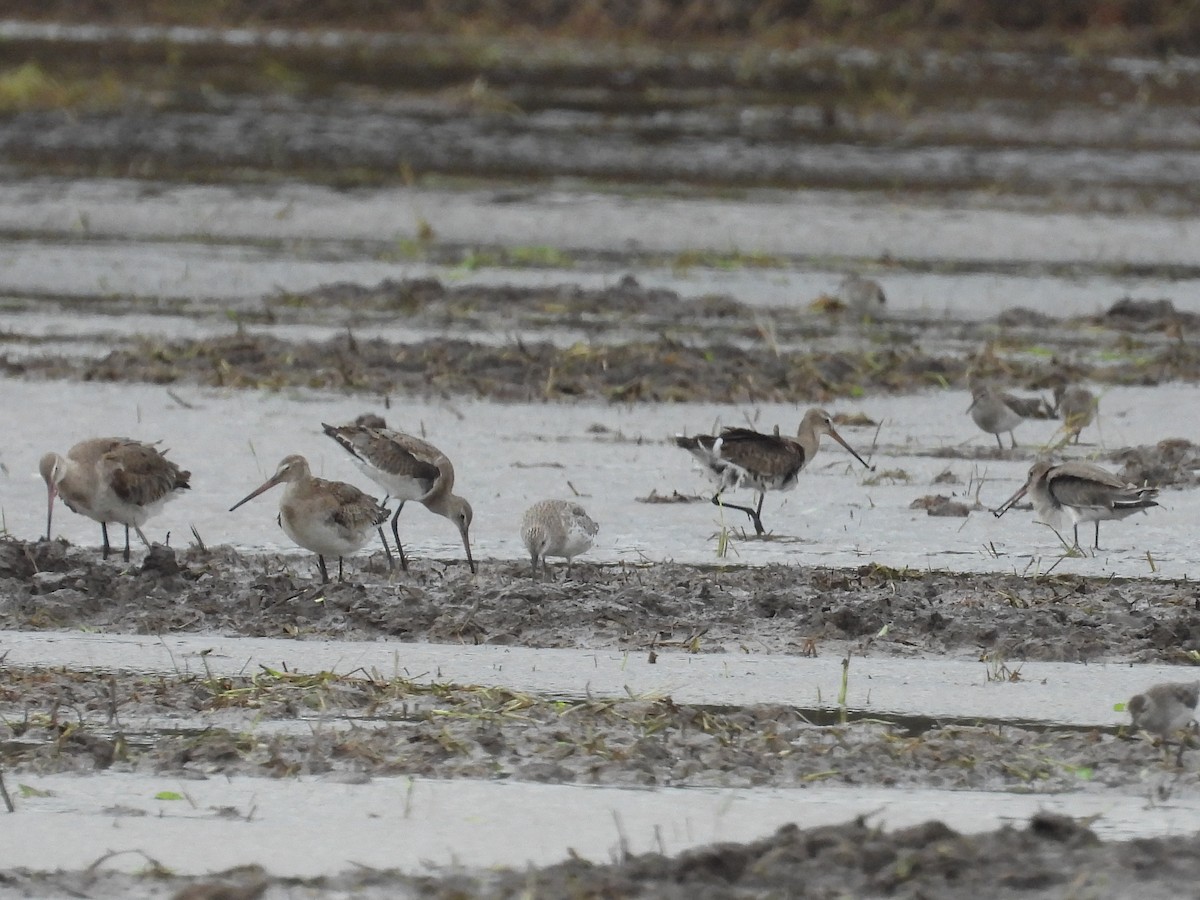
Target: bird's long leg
{"type": "Point", "coordinates": [1000, 443]}
{"type": "Point", "coordinates": [754, 515]}
{"type": "Point", "coordinates": [324, 571]}
{"type": "Point", "coordinates": [1097, 534]}
{"type": "Point", "coordinates": [396, 535]}
{"type": "Point", "coordinates": [1013, 436]}
{"type": "Point", "coordinates": [1077, 547]}
{"type": "Point", "coordinates": [125, 555]}
{"type": "Point", "coordinates": [341, 577]}
{"type": "Point", "coordinates": [387, 548]}
{"type": "Point", "coordinates": [104, 534]}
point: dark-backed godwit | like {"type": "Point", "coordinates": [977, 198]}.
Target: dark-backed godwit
{"type": "Point", "coordinates": [1165, 710]}
{"type": "Point", "coordinates": [408, 468]}
{"type": "Point", "coordinates": [330, 518]}
{"type": "Point", "coordinates": [740, 457]}
{"type": "Point", "coordinates": [1076, 406]}
{"type": "Point", "coordinates": [1080, 492]}
{"type": "Point", "coordinates": [557, 528]}
{"type": "Point", "coordinates": [996, 412]}
{"type": "Point", "coordinates": [112, 480]}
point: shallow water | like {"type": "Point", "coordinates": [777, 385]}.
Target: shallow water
{"type": "Point", "coordinates": [310, 826]}
{"type": "Point", "coordinates": [508, 456]}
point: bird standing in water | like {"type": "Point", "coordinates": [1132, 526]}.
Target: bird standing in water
{"type": "Point", "coordinates": [1080, 492]}
{"type": "Point", "coordinates": [996, 412]}
{"type": "Point", "coordinates": [330, 518]}
{"type": "Point", "coordinates": [112, 480]}
{"type": "Point", "coordinates": [740, 457]}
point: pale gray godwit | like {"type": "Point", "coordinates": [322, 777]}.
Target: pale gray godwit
{"type": "Point", "coordinates": [740, 457]}
{"type": "Point", "coordinates": [997, 412]}
{"type": "Point", "coordinates": [557, 528]}
{"type": "Point", "coordinates": [408, 468]}
{"type": "Point", "coordinates": [1076, 406]}
{"type": "Point", "coordinates": [112, 480]}
{"type": "Point", "coordinates": [1080, 492]}
{"type": "Point", "coordinates": [1165, 709]}
{"type": "Point", "coordinates": [330, 518]}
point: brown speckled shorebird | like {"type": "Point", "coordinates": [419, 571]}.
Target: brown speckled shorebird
{"type": "Point", "coordinates": [997, 412]}
{"type": "Point", "coordinates": [1076, 406]}
{"type": "Point", "coordinates": [1165, 710]}
{"type": "Point", "coordinates": [1080, 492]}
{"type": "Point", "coordinates": [112, 480]}
{"type": "Point", "coordinates": [740, 457]}
{"type": "Point", "coordinates": [330, 518]}
{"type": "Point", "coordinates": [408, 468]}
{"type": "Point", "coordinates": [557, 528]}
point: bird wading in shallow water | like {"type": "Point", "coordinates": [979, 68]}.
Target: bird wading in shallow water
{"type": "Point", "coordinates": [740, 457]}
{"type": "Point", "coordinates": [112, 480]}
{"type": "Point", "coordinates": [408, 468]}
{"type": "Point", "coordinates": [1076, 406]}
{"type": "Point", "coordinates": [330, 518]}
{"type": "Point", "coordinates": [996, 412]}
{"type": "Point", "coordinates": [1079, 492]}
{"type": "Point", "coordinates": [557, 528]}
{"type": "Point", "coordinates": [1165, 710]}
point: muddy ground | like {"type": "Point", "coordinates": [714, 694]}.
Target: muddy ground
{"type": "Point", "coordinates": [62, 721]}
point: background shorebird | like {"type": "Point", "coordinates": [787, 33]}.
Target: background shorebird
{"type": "Point", "coordinates": [997, 412]}
{"type": "Point", "coordinates": [330, 518]}
{"type": "Point", "coordinates": [1081, 492]}
{"type": "Point", "coordinates": [1076, 406]}
{"type": "Point", "coordinates": [1165, 710]}
{"type": "Point", "coordinates": [557, 528]}
{"type": "Point", "coordinates": [112, 480]}
{"type": "Point", "coordinates": [408, 468]}
{"type": "Point", "coordinates": [863, 296]}
{"type": "Point", "coordinates": [740, 457]}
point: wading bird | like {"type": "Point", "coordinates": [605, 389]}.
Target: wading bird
{"type": "Point", "coordinates": [1076, 406]}
{"type": "Point", "coordinates": [740, 457]}
{"type": "Point", "coordinates": [330, 518]}
{"type": "Point", "coordinates": [112, 480]}
{"type": "Point", "coordinates": [1080, 492]}
{"type": "Point", "coordinates": [996, 412]}
{"type": "Point", "coordinates": [1165, 710]}
{"type": "Point", "coordinates": [408, 468]}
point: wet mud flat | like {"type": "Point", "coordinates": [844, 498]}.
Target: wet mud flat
{"type": "Point", "coordinates": [712, 348]}
{"type": "Point", "coordinates": [703, 609]}
{"type": "Point", "coordinates": [276, 724]}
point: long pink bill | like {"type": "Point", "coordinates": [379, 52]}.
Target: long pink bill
{"type": "Point", "coordinates": [266, 486]}
{"type": "Point", "coordinates": [837, 437]}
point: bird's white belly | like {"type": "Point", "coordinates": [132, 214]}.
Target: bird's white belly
{"type": "Point", "coordinates": [576, 540]}
{"type": "Point", "coordinates": [322, 536]}
{"type": "Point", "coordinates": [398, 487]}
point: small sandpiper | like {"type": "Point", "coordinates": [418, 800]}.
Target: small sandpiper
{"type": "Point", "coordinates": [557, 528]}
{"type": "Point", "coordinates": [1165, 710]}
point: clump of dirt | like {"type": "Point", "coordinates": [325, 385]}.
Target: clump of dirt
{"type": "Point", "coordinates": [1174, 462]}
{"type": "Point", "coordinates": [50, 585]}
